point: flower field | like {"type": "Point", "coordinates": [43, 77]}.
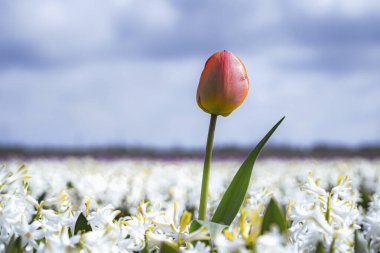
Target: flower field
{"type": "Point", "coordinates": [87, 205]}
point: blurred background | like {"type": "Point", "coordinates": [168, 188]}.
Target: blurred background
{"type": "Point", "coordinates": [122, 75]}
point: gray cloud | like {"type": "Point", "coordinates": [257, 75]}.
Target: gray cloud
{"type": "Point", "coordinates": [95, 73]}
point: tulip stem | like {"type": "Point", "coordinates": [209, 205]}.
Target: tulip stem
{"type": "Point", "coordinates": [206, 168]}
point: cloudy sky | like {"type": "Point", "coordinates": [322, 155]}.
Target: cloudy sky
{"type": "Point", "coordinates": [93, 73]}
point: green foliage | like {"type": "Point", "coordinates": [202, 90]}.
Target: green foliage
{"type": "Point", "coordinates": [365, 196]}
{"type": "Point", "coordinates": [81, 225]}
{"type": "Point", "coordinates": [332, 246]}
{"type": "Point", "coordinates": [320, 248]}
{"type": "Point", "coordinates": [169, 248]}
{"type": "Point", "coordinates": [361, 245]}
{"type": "Point", "coordinates": [41, 197]}
{"type": "Point", "coordinates": [234, 196]}
{"type": "Point", "coordinates": [194, 226]}
{"type": "Point", "coordinates": [273, 215]}
{"type": "Point", "coordinates": [14, 245]}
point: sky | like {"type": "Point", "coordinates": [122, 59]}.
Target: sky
{"type": "Point", "coordinates": [103, 73]}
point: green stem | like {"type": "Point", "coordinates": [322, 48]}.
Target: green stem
{"type": "Point", "coordinates": [327, 215]}
{"type": "Point", "coordinates": [206, 168]}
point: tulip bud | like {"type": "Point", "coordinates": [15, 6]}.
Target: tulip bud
{"type": "Point", "coordinates": [223, 85]}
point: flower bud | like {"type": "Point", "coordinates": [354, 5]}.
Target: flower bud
{"type": "Point", "coordinates": [223, 85]}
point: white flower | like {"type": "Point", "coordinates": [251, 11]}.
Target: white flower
{"type": "Point", "coordinates": [156, 239]}
{"type": "Point", "coordinates": [99, 241]}
{"type": "Point", "coordinates": [371, 223]}
{"type": "Point", "coordinates": [102, 217]}
{"type": "Point", "coordinates": [29, 233]}
{"type": "Point", "coordinates": [227, 246]}
{"type": "Point", "coordinates": [135, 229]}
{"type": "Point", "coordinates": [273, 242]}
{"type": "Point", "coordinates": [325, 217]}
{"type": "Point", "coordinates": [200, 247]}
{"type": "Point", "coordinates": [47, 225]}
{"type": "Point", "coordinates": [60, 242]}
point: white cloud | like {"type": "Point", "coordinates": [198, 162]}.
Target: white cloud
{"type": "Point", "coordinates": [126, 72]}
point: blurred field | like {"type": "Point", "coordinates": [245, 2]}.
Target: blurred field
{"type": "Point", "coordinates": [226, 152]}
{"type": "Point", "coordinates": [124, 183]}
{"type": "Point", "coordinates": [113, 191]}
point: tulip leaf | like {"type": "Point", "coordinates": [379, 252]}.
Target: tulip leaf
{"type": "Point", "coordinates": [273, 215]}
{"type": "Point", "coordinates": [320, 248]}
{"type": "Point", "coordinates": [14, 245]}
{"type": "Point", "coordinates": [361, 245]}
{"type": "Point", "coordinates": [213, 228]}
{"type": "Point", "coordinates": [234, 196]}
{"type": "Point", "coordinates": [81, 225]}
{"type": "Point", "coordinates": [194, 226]}
{"type": "Point", "coordinates": [167, 247]}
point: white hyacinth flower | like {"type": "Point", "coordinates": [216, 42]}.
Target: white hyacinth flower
{"type": "Point", "coordinates": [273, 242]}
{"type": "Point", "coordinates": [371, 224]}
{"type": "Point", "coordinates": [331, 217]}
{"type": "Point", "coordinates": [200, 247]}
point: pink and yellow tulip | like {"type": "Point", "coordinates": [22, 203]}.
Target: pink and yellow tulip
{"type": "Point", "coordinates": [223, 85]}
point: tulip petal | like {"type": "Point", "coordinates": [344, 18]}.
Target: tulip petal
{"type": "Point", "coordinates": [223, 84]}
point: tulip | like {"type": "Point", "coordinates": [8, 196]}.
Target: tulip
{"type": "Point", "coordinates": [223, 85]}
{"type": "Point", "coordinates": [222, 88]}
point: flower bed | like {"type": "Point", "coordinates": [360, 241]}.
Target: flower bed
{"type": "Point", "coordinates": [84, 205]}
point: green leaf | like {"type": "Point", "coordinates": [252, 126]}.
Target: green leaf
{"type": "Point", "coordinates": [213, 228]}
{"type": "Point", "coordinates": [234, 196]}
{"type": "Point", "coordinates": [81, 225]}
{"type": "Point", "coordinates": [320, 248]}
{"type": "Point", "coordinates": [167, 247]}
{"type": "Point", "coordinates": [361, 245]}
{"type": "Point", "coordinates": [273, 215]}
{"type": "Point", "coordinates": [332, 246]}
{"type": "Point", "coordinates": [146, 248]}
{"type": "Point", "coordinates": [14, 245]}
{"type": "Point", "coordinates": [194, 226]}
